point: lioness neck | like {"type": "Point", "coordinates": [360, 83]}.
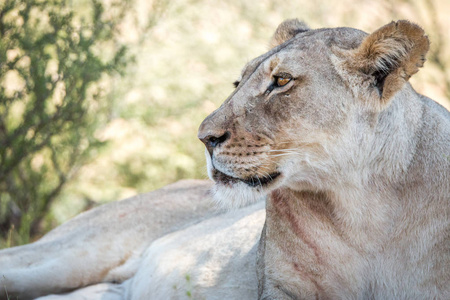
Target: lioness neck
{"type": "Point", "coordinates": [361, 183]}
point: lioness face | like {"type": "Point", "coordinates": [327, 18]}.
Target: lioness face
{"type": "Point", "coordinates": [290, 117]}
{"type": "Point", "coordinates": [277, 122]}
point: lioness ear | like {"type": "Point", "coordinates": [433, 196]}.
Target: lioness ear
{"type": "Point", "coordinates": [287, 30]}
{"type": "Point", "coordinates": [391, 55]}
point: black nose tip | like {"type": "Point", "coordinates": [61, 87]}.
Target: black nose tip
{"type": "Point", "coordinates": [215, 141]}
{"type": "Point", "coordinates": [212, 141]}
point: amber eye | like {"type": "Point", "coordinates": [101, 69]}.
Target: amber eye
{"type": "Point", "coordinates": [282, 81]}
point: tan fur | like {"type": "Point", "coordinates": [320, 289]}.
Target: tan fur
{"type": "Point", "coordinates": [145, 247]}
{"type": "Point", "coordinates": [286, 31]}
{"type": "Point", "coordinates": [397, 49]}
{"type": "Point", "coordinates": [360, 203]}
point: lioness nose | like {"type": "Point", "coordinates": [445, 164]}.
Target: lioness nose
{"type": "Point", "coordinates": [213, 140]}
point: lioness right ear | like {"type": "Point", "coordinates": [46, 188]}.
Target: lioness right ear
{"type": "Point", "coordinates": [287, 30]}
{"type": "Point", "coordinates": [391, 55]}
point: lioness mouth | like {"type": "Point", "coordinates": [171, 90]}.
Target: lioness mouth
{"type": "Point", "coordinates": [252, 181]}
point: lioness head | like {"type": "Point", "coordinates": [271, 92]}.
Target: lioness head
{"type": "Point", "coordinates": [307, 108]}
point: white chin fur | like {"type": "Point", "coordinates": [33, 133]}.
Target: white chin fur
{"type": "Point", "coordinates": [208, 164]}
{"type": "Point", "coordinates": [239, 195]}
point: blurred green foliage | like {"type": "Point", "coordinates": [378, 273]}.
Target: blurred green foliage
{"type": "Point", "coordinates": [49, 103]}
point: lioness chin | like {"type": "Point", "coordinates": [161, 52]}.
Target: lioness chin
{"type": "Point", "coordinates": [354, 162]}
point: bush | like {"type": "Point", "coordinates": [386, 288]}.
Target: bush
{"type": "Point", "coordinates": [51, 64]}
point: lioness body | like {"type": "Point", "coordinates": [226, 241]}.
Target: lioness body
{"type": "Point", "coordinates": [159, 245]}
{"type": "Point", "coordinates": [102, 245]}
{"type": "Point", "coordinates": [355, 166]}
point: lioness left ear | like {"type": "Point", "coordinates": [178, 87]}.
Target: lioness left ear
{"type": "Point", "coordinates": [286, 31]}
{"type": "Point", "coordinates": [391, 55]}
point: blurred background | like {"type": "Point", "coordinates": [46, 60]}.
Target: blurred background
{"type": "Point", "coordinates": [101, 99]}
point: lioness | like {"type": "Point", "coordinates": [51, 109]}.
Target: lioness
{"type": "Point", "coordinates": [354, 165]}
